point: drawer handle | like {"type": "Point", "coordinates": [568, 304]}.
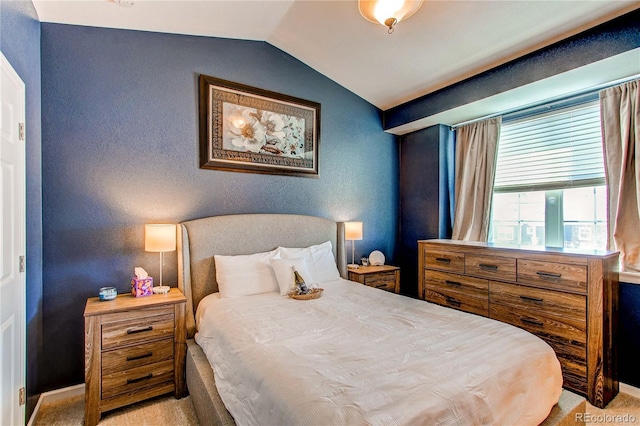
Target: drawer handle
{"type": "Point", "coordinates": [488, 266]}
{"type": "Point", "coordinates": [139, 379]}
{"type": "Point", "coordinates": [549, 275]}
{"type": "Point", "coordinates": [531, 322]}
{"type": "Point", "coordinates": [453, 283]}
{"type": "Point", "coordinates": [133, 358]}
{"type": "Point", "coordinates": [532, 299]}
{"type": "Point", "coordinates": [139, 330]}
{"type": "Point", "coordinates": [443, 260]}
{"type": "Point", "coordinates": [452, 301]}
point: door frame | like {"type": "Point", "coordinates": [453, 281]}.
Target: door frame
{"type": "Point", "coordinates": [21, 340]}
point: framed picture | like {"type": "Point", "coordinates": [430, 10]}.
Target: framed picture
{"type": "Point", "coordinates": [246, 129]}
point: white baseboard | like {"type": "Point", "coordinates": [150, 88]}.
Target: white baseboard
{"type": "Point", "coordinates": [55, 395]}
{"type": "Point", "coordinates": [630, 390]}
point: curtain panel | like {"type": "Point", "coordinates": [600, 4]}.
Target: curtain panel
{"type": "Point", "coordinates": [620, 114]}
{"type": "Point", "coordinates": [476, 151]}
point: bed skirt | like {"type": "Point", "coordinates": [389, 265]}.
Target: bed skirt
{"type": "Point", "coordinates": [211, 411]}
{"type": "Point", "coordinates": [202, 387]}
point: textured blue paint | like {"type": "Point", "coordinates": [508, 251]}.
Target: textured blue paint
{"type": "Point", "coordinates": [611, 38]}
{"type": "Point", "coordinates": [629, 334]}
{"type": "Point", "coordinates": [419, 201]}
{"type": "Point", "coordinates": [120, 149]}
{"type": "Point", "coordinates": [20, 44]}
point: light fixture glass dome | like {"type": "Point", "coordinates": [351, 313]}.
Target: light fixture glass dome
{"type": "Point", "coordinates": [388, 12]}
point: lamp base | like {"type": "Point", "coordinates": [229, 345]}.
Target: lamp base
{"type": "Point", "coordinates": [353, 266]}
{"type": "Point", "coordinates": [162, 289]}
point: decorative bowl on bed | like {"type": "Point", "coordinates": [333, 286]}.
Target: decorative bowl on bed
{"type": "Point", "coordinates": [313, 293]}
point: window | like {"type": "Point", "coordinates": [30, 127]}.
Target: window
{"type": "Point", "coordinates": [550, 185]}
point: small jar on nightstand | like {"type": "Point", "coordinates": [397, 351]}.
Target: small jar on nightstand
{"type": "Point", "coordinates": [384, 277]}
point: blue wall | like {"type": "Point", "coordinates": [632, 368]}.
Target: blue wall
{"type": "Point", "coordinates": [629, 334]}
{"type": "Point", "coordinates": [20, 44]}
{"type": "Point", "coordinates": [120, 149]}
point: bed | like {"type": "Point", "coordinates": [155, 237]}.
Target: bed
{"type": "Point", "coordinates": [357, 355]}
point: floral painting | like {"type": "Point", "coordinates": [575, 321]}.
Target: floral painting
{"type": "Point", "coordinates": [248, 129]}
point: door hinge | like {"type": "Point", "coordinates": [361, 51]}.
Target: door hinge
{"type": "Point", "coordinates": [21, 264]}
{"type": "Point", "coordinates": [21, 131]}
{"type": "Point", "coordinates": [23, 396]}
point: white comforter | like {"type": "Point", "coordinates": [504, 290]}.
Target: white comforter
{"type": "Point", "coordinates": [359, 355]}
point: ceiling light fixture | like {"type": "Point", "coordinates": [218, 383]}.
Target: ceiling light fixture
{"type": "Point", "coordinates": [388, 12]}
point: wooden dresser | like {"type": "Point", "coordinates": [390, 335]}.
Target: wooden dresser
{"type": "Point", "coordinates": [135, 349]}
{"type": "Point", "coordinates": [567, 298]}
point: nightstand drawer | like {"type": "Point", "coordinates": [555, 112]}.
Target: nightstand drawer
{"type": "Point", "coordinates": [122, 333]}
{"type": "Point", "coordinates": [560, 276]}
{"type": "Point", "coordinates": [136, 356]}
{"type": "Point", "coordinates": [444, 260]}
{"type": "Point", "coordinates": [127, 381]}
{"type": "Point", "coordinates": [381, 280]}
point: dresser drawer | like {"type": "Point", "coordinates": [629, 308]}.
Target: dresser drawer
{"type": "Point", "coordinates": [460, 301]}
{"type": "Point", "coordinates": [492, 267]}
{"type": "Point", "coordinates": [136, 356]}
{"type": "Point", "coordinates": [565, 331]}
{"type": "Point", "coordinates": [568, 306]}
{"type": "Point", "coordinates": [444, 260]}
{"type": "Point", "coordinates": [144, 328]}
{"type": "Point", "coordinates": [382, 280]}
{"type": "Point", "coordinates": [134, 379]}
{"type": "Point", "coordinates": [574, 374]}
{"type": "Point", "coordinates": [560, 276]}
{"type": "Point", "coordinates": [475, 287]}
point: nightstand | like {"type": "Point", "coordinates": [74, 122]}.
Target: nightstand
{"type": "Point", "coordinates": [134, 349]}
{"type": "Point", "coordinates": [385, 277]}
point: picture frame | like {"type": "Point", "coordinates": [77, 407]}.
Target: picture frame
{"type": "Point", "coordinates": [252, 130]}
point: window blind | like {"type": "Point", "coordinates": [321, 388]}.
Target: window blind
{"type": "Point", "coordinates": [555, 150]}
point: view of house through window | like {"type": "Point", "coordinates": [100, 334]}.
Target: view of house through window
{"type": "Point", "coordinates": [549, 186]}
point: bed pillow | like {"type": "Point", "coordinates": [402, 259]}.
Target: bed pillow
{"type": "Point", "coordinates": [319, 259]}
{"type": "Point", "coordinates": [283, 269]}
{"type": "Point", "coordinates": [244, 275]}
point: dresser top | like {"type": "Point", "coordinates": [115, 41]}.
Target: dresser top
{"type": "Point", "coordinates": [540, 250]}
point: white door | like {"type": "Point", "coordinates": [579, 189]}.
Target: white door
{"type": "Point", "coordinates": [12, 247]}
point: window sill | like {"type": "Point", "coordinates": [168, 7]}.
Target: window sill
{"type": "Point", "coordinates": [630, 277]}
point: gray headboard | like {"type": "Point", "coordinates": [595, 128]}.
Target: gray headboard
{"type": "Point", "coordinates": [200, 239]}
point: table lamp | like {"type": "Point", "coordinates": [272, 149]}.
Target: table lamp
{"type": "Point", "coordinates": [353, 231]}
{"type": "Point", "coordinates": [160, 237]}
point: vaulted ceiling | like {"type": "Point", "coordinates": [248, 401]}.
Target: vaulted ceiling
{"type": "Point", "coordinates": [443, 43]}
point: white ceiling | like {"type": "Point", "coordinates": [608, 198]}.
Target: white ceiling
{"type": "Point", "coordinates": [443, 43]}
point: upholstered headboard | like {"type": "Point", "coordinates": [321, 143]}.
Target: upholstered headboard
{"type": "Point", "coordinates": [200, 239]}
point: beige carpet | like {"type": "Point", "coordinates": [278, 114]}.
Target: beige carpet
{"type": "Point", "coordinates": [623, 410]}
{"type": "Point", "coordinates": [164, 410]}
{"type": "Point", "coordinates": [167, 410]}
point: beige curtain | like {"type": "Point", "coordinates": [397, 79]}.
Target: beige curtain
{"type": "Point", "coordinates": [620, 112]}
{"type": "Point", "coordinates": [476, 150]}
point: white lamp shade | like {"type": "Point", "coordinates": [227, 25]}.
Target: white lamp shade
{"type": "Point", "coordinates": [353, 231]}
{"type": "Point", "coordinates": [159, 237]}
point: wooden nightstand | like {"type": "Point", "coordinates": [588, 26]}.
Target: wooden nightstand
{"type": "Point", "coordinates": [134, 349]}
{"type": "Point", "coordinates": [385, 277]}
